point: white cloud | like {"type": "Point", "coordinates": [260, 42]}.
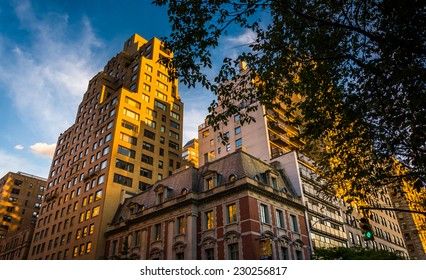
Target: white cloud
{"type": "Point", "coordinates": [43, 149]}
{"type": "Point", "coordinates": [243, 39]}
{"type": "Point", "coordinates": [47, 75]}
{"type": "Point", "coordinates": [14, 163]}
{"type": "Point", "coordinates": [19, 147]}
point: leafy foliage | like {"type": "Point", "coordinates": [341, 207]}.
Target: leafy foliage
{"type": "Point", "coordinates": [354, 253]}
{"type": "Point", "coordinates": [358, 65]}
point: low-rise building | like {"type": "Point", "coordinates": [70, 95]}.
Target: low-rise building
{"type": "Point", "coordinates": [237, 207]}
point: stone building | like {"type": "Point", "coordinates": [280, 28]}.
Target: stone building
{"type": "Point", "coordinates": [237, 207]}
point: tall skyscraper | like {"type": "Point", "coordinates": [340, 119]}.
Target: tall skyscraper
{"type": "Point", "coordinates": [127, 134]}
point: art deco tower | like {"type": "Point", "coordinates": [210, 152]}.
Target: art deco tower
{"type": "Point", "coordinates": [127, 135]}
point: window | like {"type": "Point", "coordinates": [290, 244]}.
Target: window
{"type": "Point", "coordinates": [95, 211]}
{"type": "Point", "coordinates": [131, 114]}
{"type": "Point", "coordinates": [280, 219]}
{"type": "Point", "coordinates": [173, 145]}
{"type": "Point", "coordinates": [132, 102]}
{"type": "Point", "coordinates": [181, 225]}
{"type": "Point", "coordinates": [294, 224]}
{"type": "Point", "coordinates": [180, 256]}
{"type": "Point", "coordinates": [147, 159]}
{"type": "Point", "coordinates": [98, 195]}
{"type": "Point", "coordinates": [274, 182]}
{"type": "Point", "coordinates": [145, 97]}
{"type": "Point", "coordinates": [209, 254]}
{"type": "Point", "coordinates": [15, 191]}
{"type": "Point", "coordinates": [129, 139]}
{"type": "Point", "coordinates": [129, 126]}
{"type": "Point", "coordinates": [101, 179]}
{"type": "Point", "coordinates": [127, 152]}
{"type": "Point", "coordinates": [146, 87]}
{"type": "Point", "coordinates": [284, 253]}
{"type": "Point", "coordinates": [237, 130]}
{"type": "Point", "coordinates": [175, 115]}
{"type": "Point", "coordinates": [209, 216]}
{"type": "Point", "coordinates": [175, 125]}
{"type": "Point", "coordinates": [231, 213]}
{"type": "Point", "coordinates": [103, 164]}
{"type": "Point", "coordinates": [105, 151]}
{"type": "Point", "coordinates": [238, 143]}
{"type": "Point", "coordinates": [237, 118]}
{"type": "Point", "coordinates": [233, 251]}
{"type": "Point", "coordinates": [88, 247]}
{"type": "Point", "coordinates": [264, 214]}
{"type": "Point", "coordinates": [174, 135]}
{"type": "Point", "coordinates": [148, 146]}
{"type": "Point", "coordinates": [209, 183]}
{"type": "Point", "coordinates": [91, 229]}
{"type": "Point", "coordinates": [150, 123]}
{"type": "Point", "coordinates": [299, 255]}
{"type": "Point", "coordinates": [149, 134]}
{"type": "Point", "coordinates": [146, 173]}
{"type": "Point", "coordinates": [161, 95]}
{"type": "Point", "coordinates": [124, 165]}
{"type": "Point", "coordinates": [157, 232]}
{"type": "Point", "coordinates": [123, 180]}
{"type": "Point", "coordinates": [75, 251]}
{"type": "Point", "coordinates": [160, 105]}
{"type": "Point", "coordinates": [78, 234]}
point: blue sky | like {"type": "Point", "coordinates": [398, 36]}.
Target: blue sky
{"type": "Point", "coordinates": [50, 49]}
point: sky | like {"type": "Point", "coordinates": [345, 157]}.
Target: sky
{"type": "Point", "coordinates": [50, 49]}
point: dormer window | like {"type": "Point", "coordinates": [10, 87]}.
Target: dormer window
{"type": "Point", "coordinates": [209, 183]}
{"type": "Point", "coordinates": [160, 198]}
{"type": "Point", "coordinates": [210, 179]}
{"type": "Point", "coordinates": [232, 177]}
{"type": "Point", "coordinates": [274, 182]}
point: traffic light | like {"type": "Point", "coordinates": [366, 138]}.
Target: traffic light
{"type": "Point", "coordinates": [366, 229]}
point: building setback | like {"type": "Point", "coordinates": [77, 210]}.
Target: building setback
{"type": "Point", "coordinates": [127, 134]}
{"type": "Point", "coordinates": [237, 207]}
{"type": "Point", "coordinates": [21, 196]}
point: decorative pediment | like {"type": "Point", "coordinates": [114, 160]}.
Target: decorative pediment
{"type": "Point", "coordinates": [232, 236]}
{"type": "Point", "coordinates": [156, 253]}
{"type": "Point", "coordinates": [208, 243]}
{"type": "Point", "coordinates": [179, 247]}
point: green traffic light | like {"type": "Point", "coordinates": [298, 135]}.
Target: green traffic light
{"type": "Point", "coordinates": [368, 234]}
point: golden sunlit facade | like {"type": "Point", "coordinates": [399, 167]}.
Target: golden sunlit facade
{"type": "Point", "coordinates": [413, 224]}
{"type": "Point", "coordinates": [127, 135]}
{"type": "Point", "coordinates": [21, 195]}
{"type": "Point", "coordinates": [190, 152]}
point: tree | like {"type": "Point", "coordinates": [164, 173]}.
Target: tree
{"type": "Point", "coordinates": [354, 253]}
{"type": "Point", "coordinates": [359, 66]}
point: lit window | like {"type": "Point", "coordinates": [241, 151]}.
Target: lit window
{"type": "Point", "coordinates": [209, 220]}
{"type": "Point", "coordinates": [157, 232]}
{"type": "Point", "coordinates": [181, 225]}
{"type": "Point", "coordinates": [96, 211]}
{"type": "Point", "coordinates": [232, 213]}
